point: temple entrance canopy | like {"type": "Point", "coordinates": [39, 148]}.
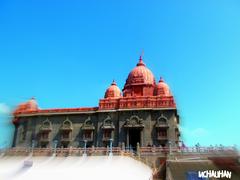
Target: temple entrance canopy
{"type": "Point", "coordinates": [134, 128]}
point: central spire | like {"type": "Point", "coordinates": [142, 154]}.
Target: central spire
{"type": "Point", "coordinates": [114, 83]}
{"type": "Point", "coordinates": [140, 63]}
{"type": "Point", "coordinates": [161, 79]}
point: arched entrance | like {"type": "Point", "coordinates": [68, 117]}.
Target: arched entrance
{"type": "Point", "coordinates": [134, 131]}
{"type": "Point", "coordinates": [134, 135]}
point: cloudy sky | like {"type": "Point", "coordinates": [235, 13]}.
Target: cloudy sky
{"type": "Point", "coordinates": [66, 53]}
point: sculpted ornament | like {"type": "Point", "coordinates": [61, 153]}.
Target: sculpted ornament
{"type": "Point", "coordinates": [134, 121]}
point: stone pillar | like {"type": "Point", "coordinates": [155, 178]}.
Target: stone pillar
{"type": "Point", "coordinates": [70, 151]}
{"type": "Point", "coordinates": [123, 146]}
{"type": "Point", "coordinates": [127, 137]}
{"type": "Point", "coordinates": [141, 137]}
{"type": "Point", "coordinates": [112, 137]}
{"type": "Point", "coordinates": [93, 149]}
{"type": "Point", "coordinates": [138, 149]}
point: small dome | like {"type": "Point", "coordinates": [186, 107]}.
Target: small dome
{"type": "Point", "coordinates": [140, 75]}
{"type": "Point", "coordinates": [30, 105]}
{"type": "Point", "coordinates": [113, 91]}
{"type": "Point", "coordinates": [162, 89]}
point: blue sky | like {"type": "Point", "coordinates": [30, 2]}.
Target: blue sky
{"type": "Point", "coordinates": [66, 53]}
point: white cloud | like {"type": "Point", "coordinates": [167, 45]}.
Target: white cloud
{"type": "Point", "coordinates": [4, 109]}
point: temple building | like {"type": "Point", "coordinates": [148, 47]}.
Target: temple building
{"type": "Point", "coordinates": [142, 117]}
{"type": "Point", "coordinates": [143, 113]}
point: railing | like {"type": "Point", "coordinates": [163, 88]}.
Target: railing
{"type": "Point", "coordinates": [61, 151]}
{"type": "Point", "coordinates": [186, 151]}
{"type": "Point", "coordinates": [141, 151]}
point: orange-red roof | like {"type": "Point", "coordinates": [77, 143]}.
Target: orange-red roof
{"type": "Point", "coordinates": [157, 96]}
{"type": "Point", "coordinates": [113, 91]}
{"type": "Point", "coordinates": [140, 75]}
{"type": "Point", "coordinates": [162, 89]}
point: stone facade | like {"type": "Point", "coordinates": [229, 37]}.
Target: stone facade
{"type": "Point", "coordinates": [97, 128]}
{"type": "Point", "coordinates": [146, 114]}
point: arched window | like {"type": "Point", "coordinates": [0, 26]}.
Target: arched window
{"type": "Point", "coordinates": [108, 122]}
{"type": "Point", "coordinates": [88, 130]}
{"type": "Point", "coordinates": [66, 133]}
{"type": "Point", "coordinates": [107, 129]}
{"type": "Point", "coordinates": [46, 124]}
{"type": "Point", "coordinates": [45, 136]}
{"type": "Point", "coordinates": [162, 130]}
{"type": "Point", "coordinates": [89, 123]}
{"type": "Point", "coordinates": [162, 120]}
{"type": "Point", "coordinates": [67, 124]}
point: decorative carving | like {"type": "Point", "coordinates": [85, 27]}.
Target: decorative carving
{"type": "Point", "coordinates": [46, 126]}
{"type": "Point", "coordinates": [66, 132]}
{"type": "Point", "coordinates": [137, 102]}
{"type": "Point", "coordinates": [88, 124]}
{"type": "Point", "coordinates": [108, 124]}
{"type": "Point", "coordinates": [107, 118]}
{"type": "Point", "coordinates": [134, 121]}
{"type": "Point", "coordinates": [45, 130]}
{"type": "Point", "coordinates": [88, 129]}
{"type": "Point", "coordinates": [67, 125]}
{"type": "Point", "coordinates": [162, 122]}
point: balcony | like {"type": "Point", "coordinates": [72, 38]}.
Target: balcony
{"type": "Point", "coordinates": [88, 127]}
{"type": "Point", "coordinates": [44, 139]}
{"type": "Point", "coordinates": [45, 129]}
{"type": "Point", "coordinates": [66, 128]}
{"type": "Point", "coordinates": [162, 138]}
{"type": "Point", "coordinates": [66, 139]}
{"type": "Point", "coordinates": [108, 126]}
{"type": "Point", "coordinates": [162, 125]}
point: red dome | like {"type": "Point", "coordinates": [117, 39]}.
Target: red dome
{"type": "Point", "coordinates": [140, 75]}
{"type": "Point", "coordinates": [30, 105]}
{"type": "Point", "coordinates": [162, 89]}
{"type": "Point", "coordinates": [113, 91]}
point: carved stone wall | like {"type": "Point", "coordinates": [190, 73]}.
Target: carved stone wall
{"type": "Point", "coordinates": [121, 121]}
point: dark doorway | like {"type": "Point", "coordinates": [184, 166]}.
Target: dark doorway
{"type": "Point", "coordinates": [134, 137]}
{"type": "Point", "coordinates": [64, 145]}
{"type": "Point", "coordinates": [44, 145]}
{"type": "Point", "coordinates": [89, 144]}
